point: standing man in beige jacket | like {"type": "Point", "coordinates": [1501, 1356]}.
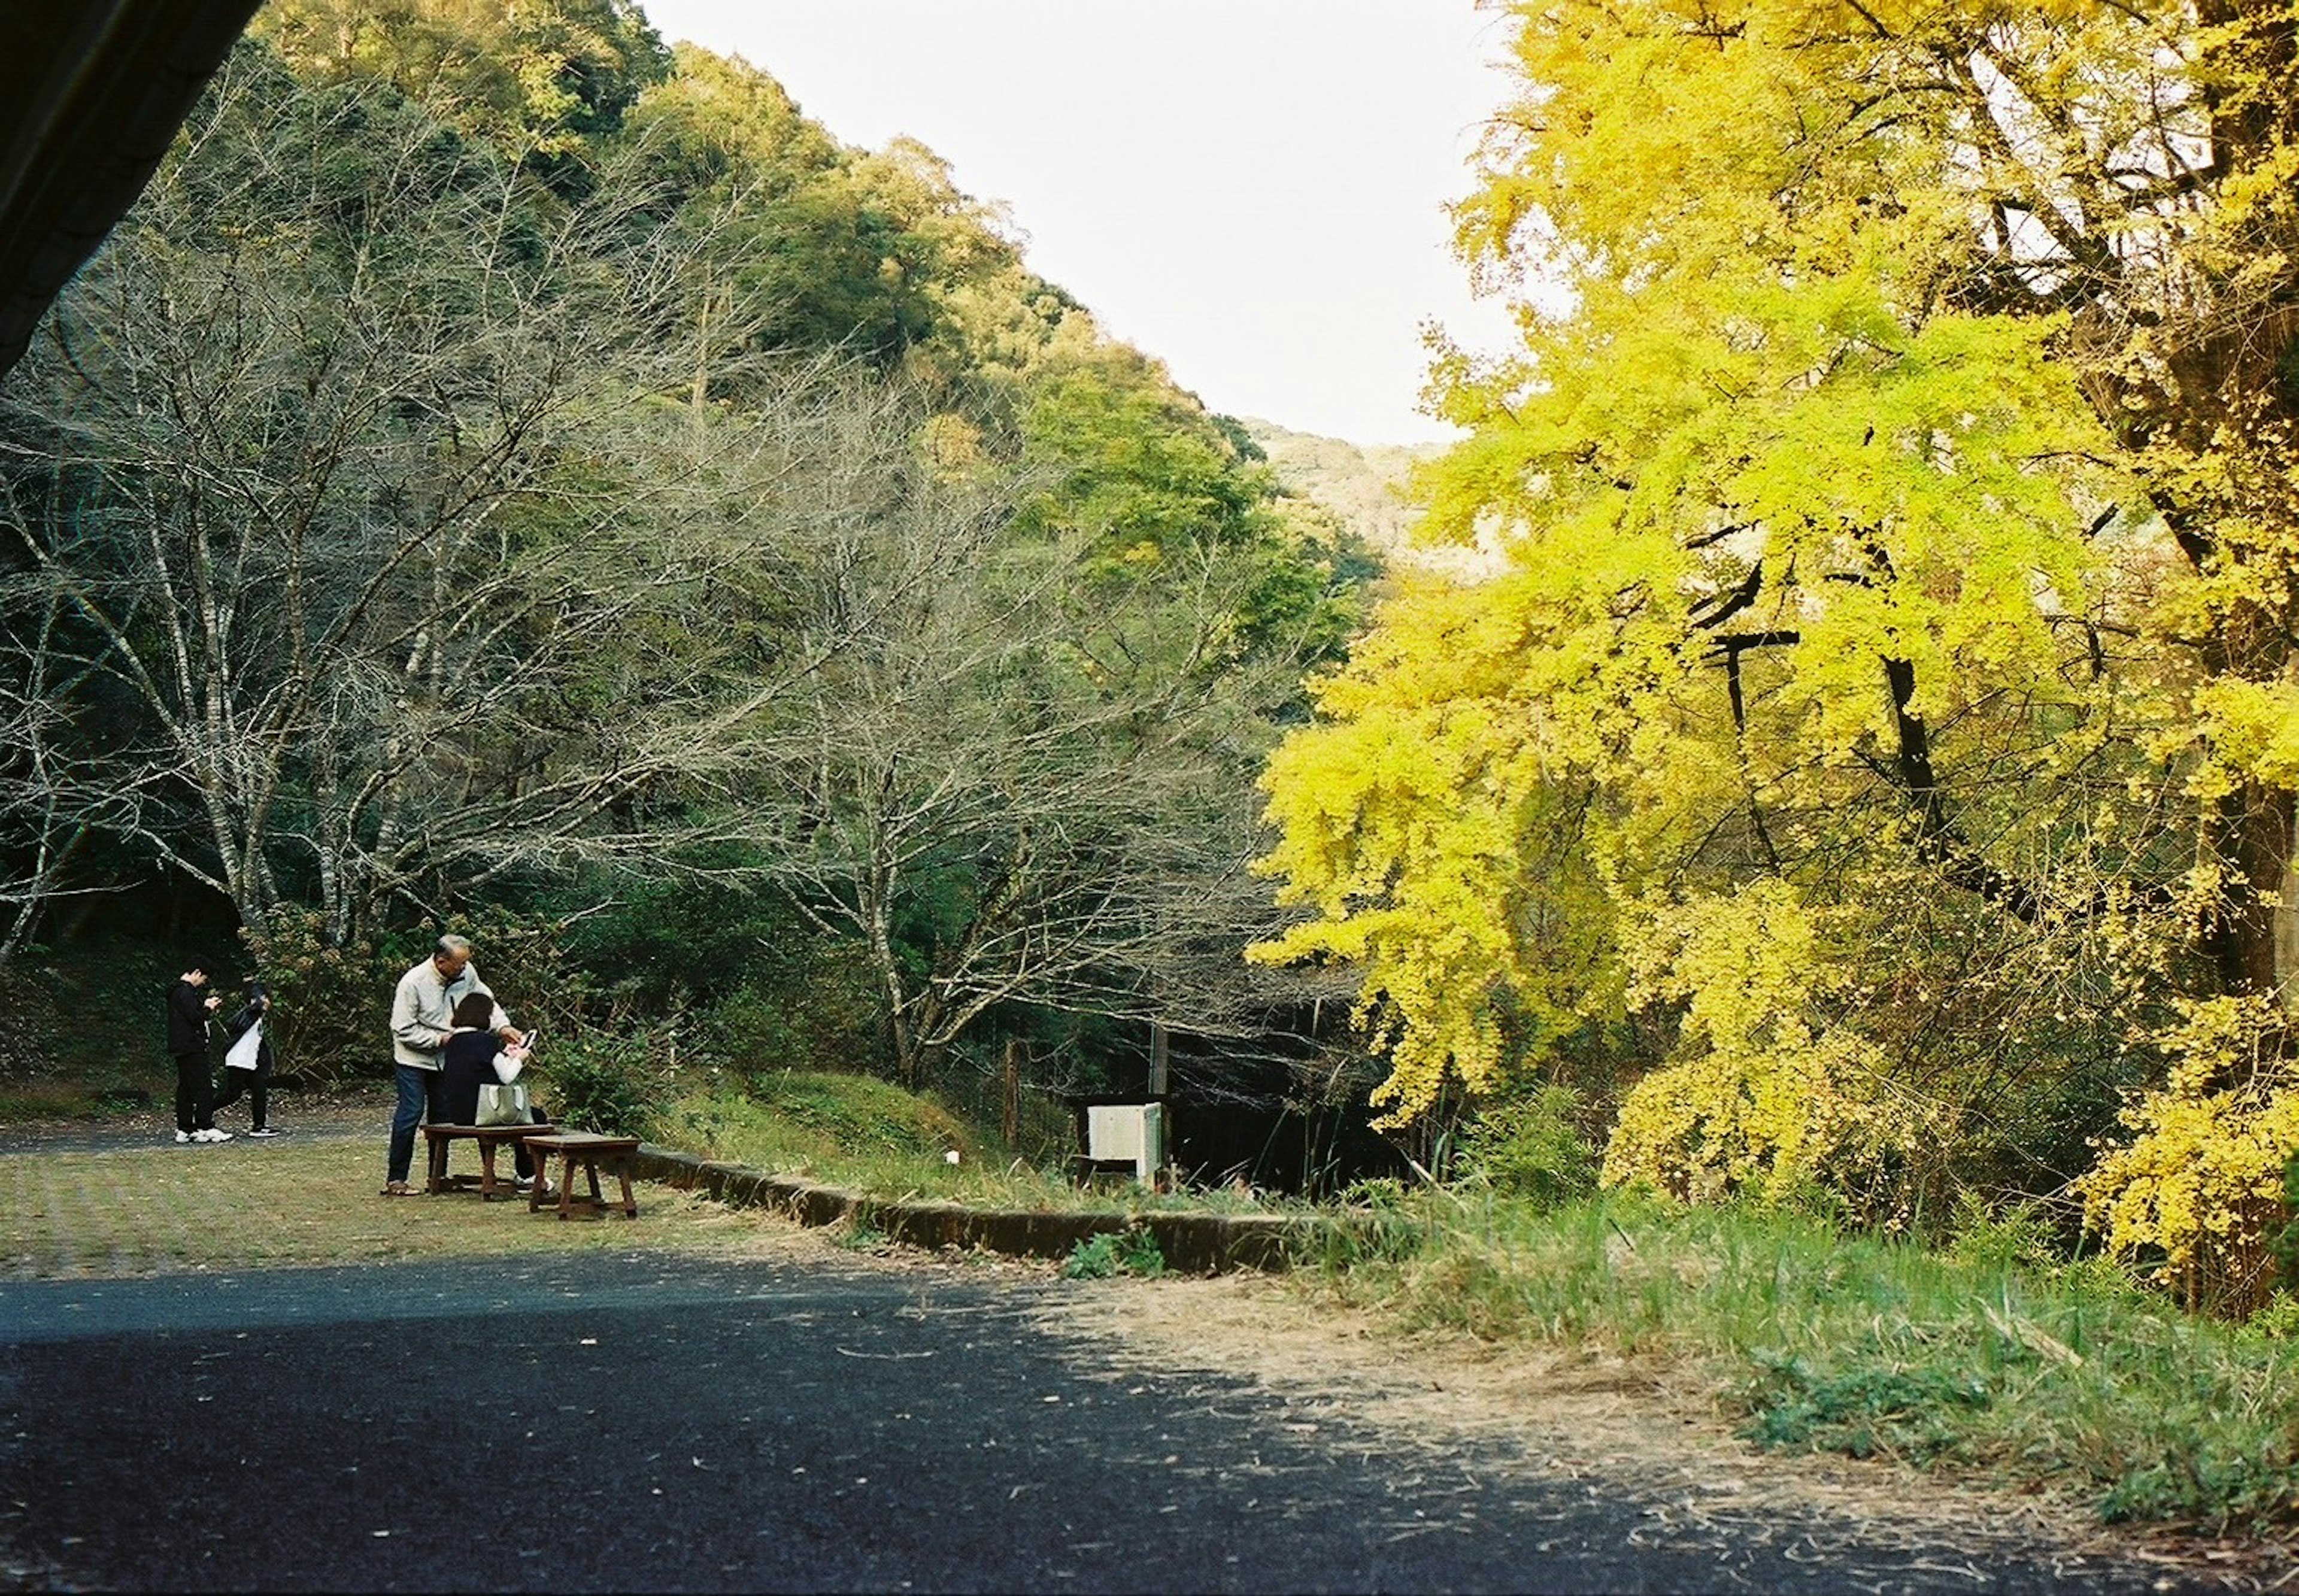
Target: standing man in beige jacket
{"type": "Point", "coordinates": [422, 1015]}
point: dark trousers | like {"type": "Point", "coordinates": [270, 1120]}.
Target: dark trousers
{"type": "Point", "coordinates": [256, 1083]}
{"type": "Point", "coordinates": [521, 1159]}
{"type": "Point", "coordinates": [419, 1097]}
{"type": "Point", "coordinates": [195, 1093]}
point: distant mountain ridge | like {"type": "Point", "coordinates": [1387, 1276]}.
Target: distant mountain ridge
{"type": "Point", "coordinates": [1365, 484]}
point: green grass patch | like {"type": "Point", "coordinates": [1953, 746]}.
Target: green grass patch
{"type": "Point", "coordinates": [871, 1136]}
{"type": "Point", "coordinates": [301, 1200]}
{"type": "Point", "coordinates": [2065, 1377]}
{"type": "Point", "coordinates": [807, 1122]}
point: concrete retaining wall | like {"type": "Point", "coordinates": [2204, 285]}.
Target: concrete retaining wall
{"type": "Point", "coordinates": [1195, 1243]}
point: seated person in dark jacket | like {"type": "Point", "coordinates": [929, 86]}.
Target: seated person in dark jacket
{"type": "Point", "coordinates": [472, 1056]}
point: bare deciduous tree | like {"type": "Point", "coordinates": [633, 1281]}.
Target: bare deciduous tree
{"type": "Point", "coordinates": [1015, 776]}
{"type": "Point", "coordinates": [382, 536]}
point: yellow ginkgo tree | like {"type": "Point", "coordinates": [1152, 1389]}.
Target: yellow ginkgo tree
{"type": "Point", "coordinates": [1897, 517]}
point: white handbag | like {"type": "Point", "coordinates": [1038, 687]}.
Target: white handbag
{"type": "Point", "coordinates": [501, 1104]}
{"type": "Point", "coordinates": [243, 1052]}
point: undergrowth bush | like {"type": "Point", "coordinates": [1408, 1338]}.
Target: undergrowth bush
{"type": "Point", "coordinates": [1130, 1252]}
{"type": "Point", "coordinates": [331, 1005]}
{"type": "Point", "coordinates": [613, 1082]}
{"type": "Point", "coordinates": [1531, 1147]}
{"type": "Point", "coordinates": [1985, 1354]}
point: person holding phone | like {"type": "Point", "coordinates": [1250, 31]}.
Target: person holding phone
{"type": "Point", "coordinates": [474, 1054]}
{"type": "Point", "coordinates": [189, 1005]}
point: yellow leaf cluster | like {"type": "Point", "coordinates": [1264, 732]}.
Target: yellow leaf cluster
{"type": "Point", "coordinates": [1769, 1126]}
{"type": "Point", "coordinates": [1781, 1100]}
{"type": "Point", "coordinates": [2251, 730]}
{"type": "Point", "coordinates": [2196, 1191]}
{"type": "Point", "coordinates": [1413, 819]}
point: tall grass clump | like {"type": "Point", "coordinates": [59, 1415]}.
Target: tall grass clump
{"type": "Point", "coordinates": [1531, 1147]}
{"type": "Point", "coordinates": [1982, 1354]}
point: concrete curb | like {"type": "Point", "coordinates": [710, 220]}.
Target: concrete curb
{"type": "Point", "coordinates": [1194, 1243]}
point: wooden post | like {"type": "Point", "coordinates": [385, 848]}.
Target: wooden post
{"type": "Point", "coordinates": [1013, 1117]}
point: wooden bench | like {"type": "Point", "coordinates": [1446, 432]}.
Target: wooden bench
{"type": "Point", "coordinates": [438, 1139]}
{"type": "Point", "coordinates": [590, 1151]}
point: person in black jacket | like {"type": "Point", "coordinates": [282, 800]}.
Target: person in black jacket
{"type": "Point", "coordinates": [187, 1044]}
{"type": "Point", "coordinates": [256, 1082]}
{"type": "Point", "coordinates": [472, 1056]}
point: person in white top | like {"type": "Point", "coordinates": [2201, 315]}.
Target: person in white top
{"type": "Point", "coordinates": [422, 1018]}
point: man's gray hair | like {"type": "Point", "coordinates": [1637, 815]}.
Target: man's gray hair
{"type": "Point", "coordinates": [453, 946]}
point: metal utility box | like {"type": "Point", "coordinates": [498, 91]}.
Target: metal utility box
{"type": "Point", "coordinates": [1123, 1133]}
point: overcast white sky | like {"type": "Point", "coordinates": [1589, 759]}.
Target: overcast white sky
{"type": "Point", "coordinates": [1251, 190]}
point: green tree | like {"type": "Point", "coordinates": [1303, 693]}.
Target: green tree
{"type": "Point", "coordinates": [539, 80]}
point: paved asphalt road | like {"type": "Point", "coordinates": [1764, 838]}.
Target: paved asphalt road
{"type": "Point", "coordinates": [610, 1422]}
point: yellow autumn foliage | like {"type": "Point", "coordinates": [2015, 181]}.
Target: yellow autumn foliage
{"type": "Point", "coordinates": [1768, 1097]}
{"type": "Point", "coordinates": [1881, 657]}
{"type": "Point", "coordinates": [1415, 824]}
{"type": "Point", "coordinates": [2196, 1191]}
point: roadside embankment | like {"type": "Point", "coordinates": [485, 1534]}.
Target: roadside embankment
{"type": "Point", "coordinates": [1206, 1243]}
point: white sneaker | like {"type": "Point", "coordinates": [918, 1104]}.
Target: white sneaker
{"type": "Point", "coordinates": [182, 1137]}
{"type": "Point", "coordinates": [265, 1130]}
{"type": "Point", "coordinates": [211, 1136]}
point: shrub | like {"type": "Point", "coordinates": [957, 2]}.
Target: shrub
{"type": "Point", "coordinates": [1531, 1147]}
{"type": "Point", "coordinates": [331, 1004]}
{"type": "Point", "coordinates": [612, 1082]}
{"type": "Point", "coordinates": [1131, 1252]}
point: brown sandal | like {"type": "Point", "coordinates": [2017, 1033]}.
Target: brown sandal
{"type": "Point", "coordinates": [398, 1188]}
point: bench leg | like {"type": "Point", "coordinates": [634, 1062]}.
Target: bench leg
{"type": "Point", "coordinates": [487, 1170]}
{"type": "Point", "coordinates": [566, 1184]}
{"type": "Point", "coordinates": [435, 1164]}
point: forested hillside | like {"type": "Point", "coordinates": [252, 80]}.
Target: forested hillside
{"type": "Point", "coordinates": [508, 474]}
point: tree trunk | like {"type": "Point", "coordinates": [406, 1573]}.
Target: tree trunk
{"type": "Point", "coordinates": [1011, 1122]}
{"type": "Point", "coordinates": [2252, 939]}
